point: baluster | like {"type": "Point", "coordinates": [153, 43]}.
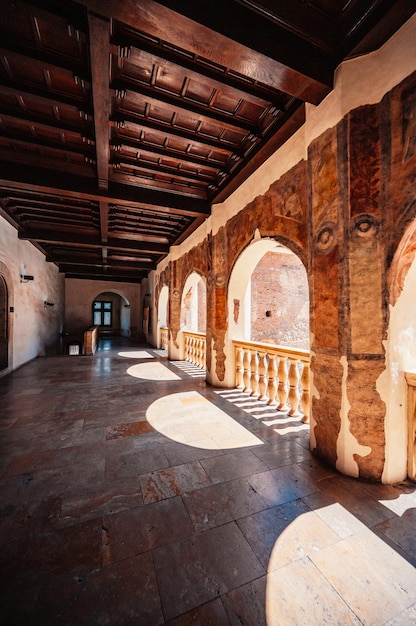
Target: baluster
{"type": "Point", "coordinates": [203, 353]}
{"type": "Point", "coordinates": [272, 385]}
{"type": "Point", "coordinates": [294, 395]}
{"type": "Point", "coordinates": [263, 376]}
{"type": "Point", "coordinates": [247, 370]}
{"type": "Point", "coordinates": [254, 380]}
{"type": "Point", "coordinates": [196, 351]}
{"type": "Point", "coordinates": [199, 361]}
{"type": "Point", "coordinates": [239, 368]}
{"type": "Point", "coordinates": [282, 389]}
{"type": "Point", "coordinates": [306, 401]}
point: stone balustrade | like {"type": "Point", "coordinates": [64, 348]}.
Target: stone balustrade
{"type": "Point", "coordinates": [195, 348]}
{"type": "Point", "coordinates": [276, 374]}
{"type": "Point", "coordinates": [164, 338]}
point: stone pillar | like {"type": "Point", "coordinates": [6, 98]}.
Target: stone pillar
{"type": "Point", "coordinates": [348, 296]}
{"type": "Point", "coordinates": [217, 313]}
{"type": "Point", "coordinates": [174, 313]}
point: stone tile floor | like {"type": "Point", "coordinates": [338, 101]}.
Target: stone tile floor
{"type": "Point", "coordinates": [133, 493]}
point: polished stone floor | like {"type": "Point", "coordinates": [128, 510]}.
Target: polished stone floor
{"type": "Point", "coordinates": [133, 493]}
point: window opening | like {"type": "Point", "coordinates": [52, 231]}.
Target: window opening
{"type": "Point", "coordinates": [102, 313]}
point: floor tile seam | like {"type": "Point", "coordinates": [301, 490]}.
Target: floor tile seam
{"type": "Point", "coordinates": [162, 612]}
{"type": "Point", "coordinates": [235, 519]}
{"type": "Point", "coordinates": [393, 544]}
{"type": "Point", "coordinates": [389, 621]}
{"type": "Point", "coordinates": [335, 590]}
{"type": "Point", "coordinates": [248, 547]}
{"type": "Point", "coordinates": [234, 478]}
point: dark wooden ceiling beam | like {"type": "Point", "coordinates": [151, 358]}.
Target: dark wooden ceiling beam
{"type": "Point", "coordinates": [46, 122]}
{"type": "Point", "coordinates": [123, 115]}
{"type": "Point", "coordinates": [294, 119]}
{"type": "Point", "coordinates": [252, 90]}
{"type": "Point", "coordinates": [183, 106]}
{"type": "Point", "coordinates": [100, 67]}
{"type": "Point", "coordinates": [68, 239]}
{"type": "Point", "coordinates": [66, 264]}
{"type": "Point", "coordinates": [21, 140]}
{"type": "Point", "coordinates": [31, 180]}
{"type": "Point", "coordinates": [231, 36]}
{"type": "Point", "coordinates": [162, 56]}
{"type": "Point", "coordinates": [104, 210]}
{"type": "Point", "coordinates": [121, 278]}
{"type": "Point", "coordinates": [43, 91]}
{"type": "Point", "coordinates": [145, 165]}
{"type": "Point", "coordinates": [151, 148]}
{"type": "Point", "coordinates": [46, 57]}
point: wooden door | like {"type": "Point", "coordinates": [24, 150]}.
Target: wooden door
{"type": "Point", "coordinates": [4, 344]}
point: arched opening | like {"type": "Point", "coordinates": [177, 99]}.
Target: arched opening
{"type": "Point", "coordinates": [111, 313]}
{"type": "Point", "coordinates": [268, 299]}
{"type": "Point", "coordinates": [400, 421]}
{"type": "Point", "coordinates": [4, 324]}
{"type": "Point", "coordinates": [194, 304]}
{"type": "Point", "coordinates": [279, 307]}
{"type": "Point", "coordinates": [162, 316]}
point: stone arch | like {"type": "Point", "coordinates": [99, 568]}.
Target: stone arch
{"type": "Point", "coordinates": [7, 306]}
{"type": "Point", "coordinates": [192, 318]}
{"type": "Point", "coordinates": [239, 293]}
{"type": "Point", "coordinates": [123, 314]}
{"type": "Point", "coordinates": [162, 311]}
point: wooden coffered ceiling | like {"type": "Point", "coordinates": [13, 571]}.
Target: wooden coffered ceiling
{"type": "Point", "coordinates": [122, 122]}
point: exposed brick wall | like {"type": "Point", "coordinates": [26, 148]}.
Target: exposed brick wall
{"type": "Point", "coordinates": [280, 301]}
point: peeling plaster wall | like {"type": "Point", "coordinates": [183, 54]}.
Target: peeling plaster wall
{"type": "Point", "coordinates": [79, 295]}
{"type": "Point", "coordinates": [33, 329]}
{"type": "Point", "coordinates": [349, 153]}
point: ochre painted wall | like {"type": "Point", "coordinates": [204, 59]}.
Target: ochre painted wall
{"type": "Point", "coordinates": [340, 194]}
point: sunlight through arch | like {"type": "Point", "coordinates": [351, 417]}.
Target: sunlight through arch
{"type": "Point", "coordinates": [190, 418]}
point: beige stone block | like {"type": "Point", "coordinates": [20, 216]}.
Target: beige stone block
{"type": "Point", "coordinates": [300, 594]}
{"type": "Point", "coordinates": [374, 580]}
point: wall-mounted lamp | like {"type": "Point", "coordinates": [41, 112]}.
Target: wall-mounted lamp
{"type": "Point", "coordinates": [46, 304]}
{"type": "Point", "coordinates": [24, 278]}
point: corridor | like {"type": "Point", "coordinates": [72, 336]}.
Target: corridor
{"type": "Point", "coordinates": [132, 493]}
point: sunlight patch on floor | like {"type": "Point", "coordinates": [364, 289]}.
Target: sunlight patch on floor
{"type": "Point", "coordinates": [307, 556]}
{"type": "Point", "coordinates": [297, 428]}
{"type": "Point", "coordinates": [136, 354]}
{"type": "Point", "coordinates": [190, 418]}
{"type": "Point", "coordinates": [190, 369]}
{"type": "Point", "coordinates": [151, 371]}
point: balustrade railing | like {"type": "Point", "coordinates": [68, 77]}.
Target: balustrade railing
{"type": "Point", "coordinates": [277, 374]}
{"type": "Point", "coordinates": [164, 338]}
{"type": "Point", "coordinates": [195, 348]}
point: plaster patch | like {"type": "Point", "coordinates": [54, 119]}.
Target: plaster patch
{"type": "Point", "coordinates": [314, 394]}
{"type": "Point", "coordinates": [347, 444]}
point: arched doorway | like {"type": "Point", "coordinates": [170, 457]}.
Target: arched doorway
{"type": "Point", "coordinates": [111, 312]}
{"type": "Point", "coordinates": [194, 304]}
{"type": "Point", "coordinates": [162, 314]}
{"type": "Point", "coordinates": [4, 326]}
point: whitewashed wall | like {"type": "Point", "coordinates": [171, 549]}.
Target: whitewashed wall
{"type": "Point", "coordinates": [33, 329]}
